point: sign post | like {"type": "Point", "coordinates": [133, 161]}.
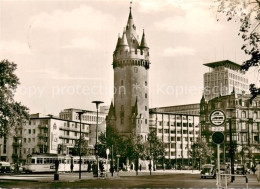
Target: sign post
{"type": "Point", "coordinates": [217, 119]}
{"type": "Point", "coordinates": [107, 152]}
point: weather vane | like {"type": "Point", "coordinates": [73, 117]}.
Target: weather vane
{"type": "Point", "coordinates": [131, 4]}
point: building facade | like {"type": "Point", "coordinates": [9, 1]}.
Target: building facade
{"type": "Point", "coordinates": [222, 77]}
{"type": "Point", "coordinates": [243, 113]}
{"type": "Point", "coordinates": [193, 109]}
{"type": "Point", "coordinates": [44, 134]}
{"type": "Point", "coordinates": [130, 111]}
{"type": "Point", "coordinates": [90, 118]}
{"type": "Point", "coordinates": [178, 132]}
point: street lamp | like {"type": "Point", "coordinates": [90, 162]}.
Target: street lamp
{"type": "Point", "coordinates": [107, 152]}
{"type": "Point", "coordinates": [150, 165]}
{"type": "Point", "coordinates": [117, 167]}
{"type": "Point", "coordinates": [20, 153]}
{"type": "Point", "coordinates": [96, 150]}
{"type": "Point", "coordinates": [80, 113]}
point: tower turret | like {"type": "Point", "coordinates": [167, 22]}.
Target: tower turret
{"type": "Point", "coordinates": [143, 44]}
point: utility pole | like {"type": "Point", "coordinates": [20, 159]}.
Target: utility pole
{"type": "Point", "coordinates": [231, 150]}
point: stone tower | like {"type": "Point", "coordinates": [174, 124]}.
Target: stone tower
{"type": "Point", "coordinates": [130, 112]}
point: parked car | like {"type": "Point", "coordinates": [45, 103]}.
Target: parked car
{"type": "Point", "coordinates": [208, 170]}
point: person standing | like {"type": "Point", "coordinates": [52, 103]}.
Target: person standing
{"type": "Point", "coordinates": [71, 167]}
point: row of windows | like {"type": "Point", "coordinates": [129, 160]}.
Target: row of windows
{"type": "Point", "coordinates": [75, 134]}
{"type": "Point", "coordinates": [90, 118]}
{"type": "Point", "coordinates": [166, 131]}
{"type": "Point", "coordinates": [178, 124]}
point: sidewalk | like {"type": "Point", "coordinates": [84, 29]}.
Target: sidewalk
{"type": "Point", "coordinates": [72, 177]}
{"type": "Point", "coordinates": [241, 182]}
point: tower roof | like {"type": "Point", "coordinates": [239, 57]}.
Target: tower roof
{"type": "Point", "coordinates": [118, 42]}
{"type": "Point", "coordinates": [123, 40]}
{"type": "Point", "coordinates": [130, 14]}
{"type": "Point", "coordinates": [225, 63]}
{"type": "Point", "coordinates": [143, 41]}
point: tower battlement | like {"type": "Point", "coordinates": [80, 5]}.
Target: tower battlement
{"type": "Point", "coordinates": [131, 54]}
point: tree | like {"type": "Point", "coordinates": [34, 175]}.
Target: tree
{"type": "Point", "coordinates": [247, 12]}
{"type": "Point", "coordinates": [12, 113]}
{"type": "Point", "coordinates": [157, 148]}
{"type": "Point", "coordinates": [200, 151]}
{"type": "Point", "coordinates": [84, 148]}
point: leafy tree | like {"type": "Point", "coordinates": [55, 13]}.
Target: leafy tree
{"type": "Point", "coordinates": [201, 151]}
{"type": "Point", "coordinates": [247, 12]}
{"type": "Point", "coordinates": [157, 147]}
{"type": "Point", "coordinates": [12, 113]}
{"type": "Point", "coordinates": [84, 148]}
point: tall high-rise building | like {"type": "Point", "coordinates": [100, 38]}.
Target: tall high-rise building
{"type": "Point", "coordinates": [130, 111]}
{"type": "Point", "coordinates": [222, 78]}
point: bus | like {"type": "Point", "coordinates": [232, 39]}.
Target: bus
{"type": "Point", "coordinates": [46, 163]}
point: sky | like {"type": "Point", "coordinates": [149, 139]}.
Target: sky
{"type": "Point", "coordinates": [64, 49]}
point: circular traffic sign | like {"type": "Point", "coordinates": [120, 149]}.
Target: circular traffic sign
{"type": "Point", "coordinates": [218, 137]}
{"type": "Point", "coordinates": [217, 118]}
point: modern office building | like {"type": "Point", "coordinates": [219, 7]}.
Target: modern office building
{"type": "Point", "coordinates": [244, 114]}
{"type": "Point", "coordinates": [222, 77]}
{"type": "Point", "coordinates": [43, 134]}
{"type": "Point", "coordinates": [178, 132]}
{"type": "Point", "coordinates": [193, 109]}
{"type": "Point", "coordinates": [130, 111]}
{"type": "Point", "coordinates": [90, 118]}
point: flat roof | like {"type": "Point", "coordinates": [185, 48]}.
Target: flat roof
{"type": "Point", "coordinates": [222, 63]}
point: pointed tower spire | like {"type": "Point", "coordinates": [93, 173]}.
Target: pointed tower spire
{"type": "Point", "coordinates": [130, 13]}
{"type": "Point", "coordinates": [118, 41]}
{"type": "Point", "coordinates": [123, 41]}
{"type": "Point", "coordinates": [143, 42]}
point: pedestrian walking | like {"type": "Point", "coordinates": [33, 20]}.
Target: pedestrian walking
{"type": "Point", "coordinates": [140, 167]}
{"type": "Point", "coordinates": [258, 171]}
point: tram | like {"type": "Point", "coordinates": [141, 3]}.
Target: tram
{"type": "Point", "coordinates": [46, 163]}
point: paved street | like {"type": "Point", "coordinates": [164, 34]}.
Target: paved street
{"type": "Point", "coordinates": [125, 179]}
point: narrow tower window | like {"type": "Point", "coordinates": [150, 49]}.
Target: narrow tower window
{"type": "Point", "coordinates": [145, 83]}
{"type": "Point", "coordinates": [122, 82]}
{"type": "Point", "coordinates": [145, 95]}
{"type": "Point", "coordinates": [135, 69]}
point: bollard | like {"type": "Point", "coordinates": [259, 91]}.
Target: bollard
{"type": "Point", "coordinates": [226, 181]}
{"type": "Point", "coordinates": [246, 182]}
{"type": "Point", "coordinates": [56, 176]}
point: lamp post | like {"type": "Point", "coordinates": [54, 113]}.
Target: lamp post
{"type": "Point", "coordinates": [231, 150]}
{"type": "Point", "coordinates": [80, 113]}
{"type": "Point", "coordinates": [117, 167]}
{"type": "Point", "coordinates": [107, 152]}
{"type": "Point", "coordinates": [20, 153]}
{"type": "Point", "coordinates": [96, 151]}
{"type": "Point", "coordinates": [150, 142]}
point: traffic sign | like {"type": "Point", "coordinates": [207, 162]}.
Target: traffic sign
{"type": "Point", "coordinates": [218, 137]}
{"type": "Point", "coordinates": [217, 118]}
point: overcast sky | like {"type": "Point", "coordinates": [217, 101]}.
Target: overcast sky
{"type": "Point", "coordinates": [64, 48]}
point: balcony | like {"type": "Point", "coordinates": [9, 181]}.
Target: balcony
{"type": "Point", "coordinates": [43, 135]}
{"type": "Point", "coordinates": [42, 143]}
{"type": "Point", "coordinates": [43, 126]}
{"type": "Point", "coordinates": [16, 144]}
